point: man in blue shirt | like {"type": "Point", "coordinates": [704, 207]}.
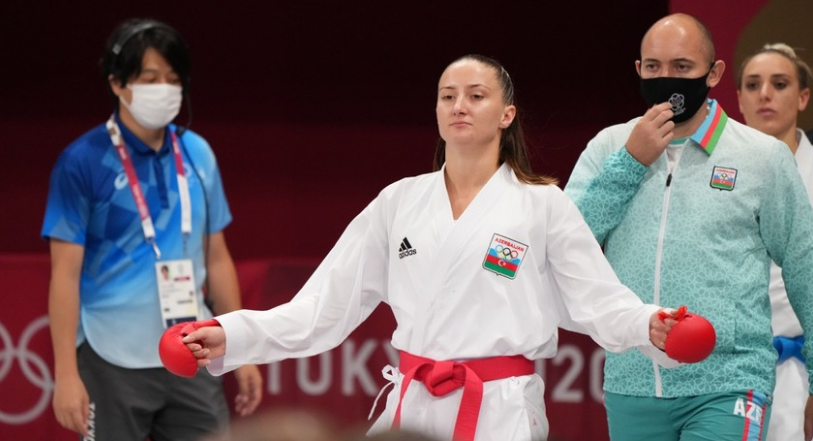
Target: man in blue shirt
{"type": "Point", "coordinates": [135, 220]}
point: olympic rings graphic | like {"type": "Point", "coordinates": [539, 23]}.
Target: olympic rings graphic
{"type": "Point", "coordinates": [506, 253]}
{"type": "Point", "coordinates": [42, 379]}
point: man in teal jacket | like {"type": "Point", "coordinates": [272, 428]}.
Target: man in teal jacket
{"type": "Point", "coordinates": [691, 208]}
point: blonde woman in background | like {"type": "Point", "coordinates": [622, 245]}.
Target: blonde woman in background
{"type": "Point", "coordinates": [772, 88]}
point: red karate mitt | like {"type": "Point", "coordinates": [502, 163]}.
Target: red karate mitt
{"type": "Point", "coordinates": [175, 356]}
{"type": "Point", "coordinates": [692, 339]}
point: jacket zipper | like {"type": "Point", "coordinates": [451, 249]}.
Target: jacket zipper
{"type": "Point", "coordinates": [667, 195]}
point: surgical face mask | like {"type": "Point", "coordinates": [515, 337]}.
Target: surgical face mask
{"type": "Point", "coordinates": [154, 106]}
{"type": "Point", "coordinates": [686, 95]}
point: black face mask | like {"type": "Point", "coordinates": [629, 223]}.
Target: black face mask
{"type": "Point", "coordinates": [686, 95]}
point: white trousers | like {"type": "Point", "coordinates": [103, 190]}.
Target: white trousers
{"type": "Point", "coordinates": [513, 409]}
{"type": "Point", "coordinates": [789, 399]}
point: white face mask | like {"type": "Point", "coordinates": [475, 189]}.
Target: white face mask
{"type": "Point", "coordinates": [154, 106]}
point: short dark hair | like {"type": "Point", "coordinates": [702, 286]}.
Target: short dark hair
{"type": "Point", "coordinates": [125, 49]}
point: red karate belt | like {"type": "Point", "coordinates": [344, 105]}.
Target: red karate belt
{"type": "Point", "coordinates": [444, 377]}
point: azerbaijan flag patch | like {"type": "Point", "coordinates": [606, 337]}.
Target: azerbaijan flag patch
{"type": "Point", "coordinates": [723, 178]}
{"type": "Point", "coordinates": [504, 256]}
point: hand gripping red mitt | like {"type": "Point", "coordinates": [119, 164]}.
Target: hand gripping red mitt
{"type": "Point", "coordinates": [692, 339]}
{"type": "Point", "coordinates": [175, 356]}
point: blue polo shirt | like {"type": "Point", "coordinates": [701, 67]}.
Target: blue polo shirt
{"type": "Point", "coordinates": [90, 203]}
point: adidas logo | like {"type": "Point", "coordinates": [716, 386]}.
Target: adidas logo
{"type": "Point", "coordinates": [406, 249]}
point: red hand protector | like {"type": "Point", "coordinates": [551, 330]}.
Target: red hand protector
{"type": "Point", "coordinates": [691, 339]}
{"type": "Point", "coordinates": [173, 351]}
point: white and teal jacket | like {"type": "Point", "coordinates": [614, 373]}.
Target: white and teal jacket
{"type": "Point", "coordinates": [699, 227]}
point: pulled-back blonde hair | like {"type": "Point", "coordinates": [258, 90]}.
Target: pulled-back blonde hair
{"type": "Point", "coordinates": [803, 72]}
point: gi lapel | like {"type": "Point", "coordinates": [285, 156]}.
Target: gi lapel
{"type": "Point", "coordinates": [453, 244]}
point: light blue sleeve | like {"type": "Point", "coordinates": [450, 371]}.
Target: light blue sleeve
{"type": "Point", "coordinates": [786, 227]}
{"type": "Point", "coordinates": [602, 185]}
{"type": "Point", "coordinates": [205, 163]}
{"type": "Point", "coordinates": [219, 213]}
{"type": "Point", "coordinates": [67, 211]}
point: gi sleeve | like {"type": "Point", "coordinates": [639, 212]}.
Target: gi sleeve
{"type": "Point", "coordinates": [786, 227]}
{"type": "Point", "coordinates": [343, 291]}
{"type": "Point", "coordinates": [603, 183]}
{"type": "Point", "coordinates": [594, 300]}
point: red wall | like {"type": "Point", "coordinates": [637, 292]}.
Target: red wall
{"type": "Point", "coordinates": [312, 107]}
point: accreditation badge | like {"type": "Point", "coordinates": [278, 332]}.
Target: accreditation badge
{"type": "Point", "coordinates": [176, 291]}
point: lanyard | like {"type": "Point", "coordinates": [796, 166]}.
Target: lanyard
{"type": "Point", "coordinates": [138, 195]}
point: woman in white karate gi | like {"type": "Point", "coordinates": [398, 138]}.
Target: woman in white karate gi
{"type": "Point", "coordinates": [480, 262]}
{"type": "Point", "coordinates": [773, 86]}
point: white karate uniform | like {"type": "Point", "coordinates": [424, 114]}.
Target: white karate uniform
{"type": "Point", "coordinates": [791, 390]}
{"type": "Point", "coordinates": [406, 250]}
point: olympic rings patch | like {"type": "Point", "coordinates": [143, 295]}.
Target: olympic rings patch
{"type": "Point", "coordinates": [504, 256]}
{"type": "Point", "coordinates": [506, 253]}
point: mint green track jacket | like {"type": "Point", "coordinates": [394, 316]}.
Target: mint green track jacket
{"type": "Point", "coordinates": [702, 235]}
